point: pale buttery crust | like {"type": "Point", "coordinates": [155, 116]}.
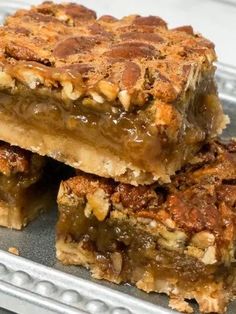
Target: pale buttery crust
{"type": "Point", "coordinates": [183, 233]}
{"type": "Point", "coordinates": [212, 298]}
{"type": "Point", "coordinates": [18, 216]}
{"type": "Point", "coordinates": [10, 216]}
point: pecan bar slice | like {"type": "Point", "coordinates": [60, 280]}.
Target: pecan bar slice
{"type": "Point", "coordinates": [134, 98]}
{"type": "Point", "coordinates": [177, 239]}
{"type": "Point", "coordinates": [24, 188]}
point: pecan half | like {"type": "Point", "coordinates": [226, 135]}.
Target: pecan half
{"type": "Point", "coordinates": [22, 52]}
{"type": "Point", "coordinates": [74, 45]}
{"type": "Point", "coordinates": [97, 29]}
{"type": "Point", "coordinates": [131, 74]}
{"type": "Point", "coordinates": [185, 28]}
{"type": "Point", "coordinates": [131, 50]}
{"type": "Point", "coordinates": [79, 12]}
{"type": "Point", "coordinates": [108, 19]}
{"type": "Point", "coordinates": [149, 21]}
{"type": "Point", "coordinates": [151, 37]}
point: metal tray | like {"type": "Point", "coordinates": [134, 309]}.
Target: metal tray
{"type": "Point", "coordinates": [35, 281]}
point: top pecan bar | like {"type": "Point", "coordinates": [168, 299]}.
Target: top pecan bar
{"type": "Point", "coordinates": [134, 99]}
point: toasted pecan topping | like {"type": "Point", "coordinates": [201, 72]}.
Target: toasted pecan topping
{"type": "Point", "coordinates": [136, 198]}
{"type": "Point", "coordinates": [86, 185]}
{"type": "Point", "coordinates": [195, 210]}
{"type": "Point", "coordinates": [61, 35]}
{"type": "Point", "coordinates": [72, 10]}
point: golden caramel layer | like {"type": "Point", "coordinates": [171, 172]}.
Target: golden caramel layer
{"type": "Point", "coordinates": [134, 147]}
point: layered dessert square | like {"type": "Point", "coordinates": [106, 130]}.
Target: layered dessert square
{"type": "Point", "coordinates": [24, 187]}
{"type": "Point", "coordinates": [177, 239]}
{"type": "Point", "coordinates": [133, 98]}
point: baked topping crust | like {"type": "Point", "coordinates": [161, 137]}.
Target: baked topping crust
{"type": "Point", "coordinates": [130, 61]}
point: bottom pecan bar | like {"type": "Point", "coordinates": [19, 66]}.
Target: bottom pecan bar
{"type": "Point", "coordinates": [24, 187]}
{"type": "Point", "coordinates": [177, 239]}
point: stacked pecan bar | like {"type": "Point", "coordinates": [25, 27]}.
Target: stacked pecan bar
{"type": "Point", "coordinates": [177, 238]}
{"type": "Point", "coordinates": [130, 102]}
{"type": "Point", "coordinates": [24, 188]}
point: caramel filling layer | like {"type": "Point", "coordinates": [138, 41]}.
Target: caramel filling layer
{"type": "Point", "coordinates": [135, 137]}
{"type": "Point", "coordinates": [138, 251]}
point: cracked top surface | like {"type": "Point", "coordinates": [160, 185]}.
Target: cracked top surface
{"type": "Point", "coordinates": [129, 61]}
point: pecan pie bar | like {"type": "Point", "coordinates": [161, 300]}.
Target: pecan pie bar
{"type": "Point", "coordinates": [177, 239]}
{"type": "Point", "coordinates": [24, 191]}
{"type": "Point", "coordinates": [134, 98]}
